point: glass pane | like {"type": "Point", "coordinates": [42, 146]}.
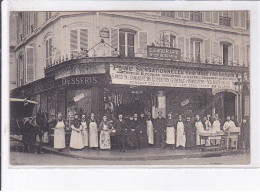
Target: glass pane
{"type": "Point", "coordinates": [121, 38]}
{"type": "Point", "coordinates": [122, 50]}
{"type": "Point", "coordinates": [130, 51]}
{"type": "Point", "coordinates": [130, 39]}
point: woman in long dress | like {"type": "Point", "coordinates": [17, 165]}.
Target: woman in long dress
{"type": "Point", "coordinates": [181, 138]}
{"type": "Point", "coordinates": [76, 141]}
{"type": "Point", "coordinates": [149, 125]}
{"type": "Point", "coordinates": [105, 143]}
{"type": "Point", "coordinates": [84, 130]}
{"type": "Point", "coordinates": [59, 132]}
{"type": "Point", "coordinates": [170, 131]}
{"type": "Point", "coordinates": [93, 132]}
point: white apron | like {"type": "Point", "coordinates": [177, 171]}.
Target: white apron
{"type": "Point", "coordinates": [216, 126]}
{"type": "Point", "coordinates": [170, 135]}
{"type": "Point", "coordinates": [181, 138]}
{"type": "Point", "coordinates": [105, 139]}
{"type": "Point", "coordinates": [93, 135]}
{"type": "Point", "coordinates": [84, 133]}
{"type": "Point", "coordinates": [199, 129]}
{"type": "Point", "coordinates": [76, 140]}
{"type": "Point", "coordinates": [45, 137]}
{"type": "Point", "coordinates": [150, 132]}
{"type": "Point", "coordinates": [59, 135]}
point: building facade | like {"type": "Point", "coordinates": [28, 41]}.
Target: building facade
{"type": "Point", "coordinates": [187, 62]}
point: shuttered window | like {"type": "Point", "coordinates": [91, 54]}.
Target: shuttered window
{"type": "Point", "coordinates": [114, 42]}
{"type": "Point", "coordinates": [243, 19]}
{"type": "Point", "coordinates": [236, 19]}
{"type": "Point", "coordinates": [207, 17]}
{"type": "Point", "coordinates": [78, 41]}
{"type": "Point", "coordinates": [207, 50]}
{"type": "Point", "coordinates": [126, 43]}
{"type": "Point", "coordinates": [48, 51]}
{"type": "Point", "coordinates": [195, 50]}
{"type": "Point", "coordinates": [142, 41]}
{"type": "Point", "coordinates": [181, 44]}
{"type": "Point", "coordinates": [236, 54]}
{"type": "Point", "coordinates": [215, 52]}
{"type": "Point", "coordinates": [29, 64]}
{"type": "Point", "coordinates": [21, 69]}
{"type": "Point", "coordinates": [215, 17]}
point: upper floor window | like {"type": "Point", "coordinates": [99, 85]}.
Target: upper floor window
{"type": "Point", "coordinates": [21, 70]}
{"type": "Point", "coordinates": [173, 42]}
{"type": "Point", "coordinates": [127, 42]}
{"type": "Point", "coordinates": [78, 41]}
{"type": "Point", "coordinates": [195, 49]}
{"type": "Point", "coordinates": [168, 14]}
{"type": "Point", "coordinates": [224, 18]}
{"type": "Point", "coordinates": [48, 51]}
{"type": "Point", "coordinates": [196, 16]}
{"type": "Point", "coordinates": [47, 15]}
{"type": "Point", "coordinates": [227, 52]}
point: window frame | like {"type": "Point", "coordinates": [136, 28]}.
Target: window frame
{"type": "Point", "coordinates": [193, 56]}
{"type": "Point", "coordinates": [48, 49]}
{"type": "Point", "coordinates": [126, 32]}
{"type": "Point", "coordinates": [78, 49]}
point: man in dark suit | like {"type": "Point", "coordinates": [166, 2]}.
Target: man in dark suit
{"type": "Point", "coordinates": [122, 131]}
{"type": "Point", "coordinates": [160, 125]}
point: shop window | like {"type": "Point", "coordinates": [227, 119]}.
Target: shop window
{"type": "Point", "coordinates": [195, 49]}
{"type": "Point", "coordinates": [48, 51]}
{"type": "Point", "coordinates": [78, 41]}
{"type": "Point", "coordinates": [127, 42]}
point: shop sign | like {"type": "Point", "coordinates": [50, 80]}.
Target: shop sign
{"type": "Point", "coordinates": [171, 77]}
{"type": "Point", "coordinates": [80, 69]}
{"type": "Point", "coordinates": [168, 53]}
{"type": "Point", "coordinates": [79, 97]}
{"type": "Point", "coordinates": [82, 80]}
{"type": "Point", "coordinates": [185, 102]}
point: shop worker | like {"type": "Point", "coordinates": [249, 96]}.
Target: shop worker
{"type": "Point", "coordinates": [84, 130]}
{"type": "Point", "coordinates": [144, 128]}
{"type": "Point", "coordinates": [93, 131]}
{"type": "Point", "coordinates": [170, 131]}
{"type": "Point", "coordinates": [105, 143]}
{"type": "Point", "coordinates": [199, 129]}
{"type": "Point", "coordinates": [59, 132]}
{"type": "Point", "coordinates": [229, 124]}
{"type": "Point", "coordinates": [180, 137]}
{"type": "Point", "coordinates": [76, 140]}
{"type": "Point", "coordinates": [132, 138]}
{"type": "Point", "coordinates": [121, 130]}
{"type": "Point", "coordinates": [141, 131]}
{"type": "Point", "coordinates": [160, 130]}
{"type": "Point", "coordinates": [190, 133]}
{"type": "Point", "coordinates": [208, 123]}
{"type": "Point", "coordinates": [216, 124]}
{"type": "Point", "coordinates": [150, 128]}
{"type": "Point", "coordinates": [233, 118]}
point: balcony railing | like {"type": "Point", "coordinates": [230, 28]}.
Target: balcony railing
{"type": "Point", "coordinates": [196, 16]}
{"type": "Point", "coordinates": [224, 21]}
{"type": "Point", "coordinates": [170, 14]}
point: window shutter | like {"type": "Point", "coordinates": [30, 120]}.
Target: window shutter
{"type": "Point", "coordinates": [207, 50]}
{"type": "Point", "coordinates": [236, 18]}
{"type": "Point", "coordinates": [29, 64]}
{"type": "Point", "coordinates": [215, 17]}
{"type": "Point", "coordinates": [83, 38]}
{"type": "Point", "coordinates": [243, 19]}
{"type": "Point", "coordinates": [230, 55]}
{"type": "Point", "coordinates": [73, 40]}
{"type": "Point", "coordinates": [215, 49]}
{"type": "Point", "coordinates": [142, 41]}
{"type": "Point", "coordinates": [181, 44]}
{"type": "Point", "coordinates": [187, 47]}
{"type": "Point", "coordinates": [236, 54]}
{"type": "Point", "coordinates": [114, 41]}
{"type": "Point", "coordinates": [186, 15]}
{"type": "Point", "coordinates": [207, 17]}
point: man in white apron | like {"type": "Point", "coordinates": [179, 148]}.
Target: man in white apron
{"type": "Point", "coordinates": [181, 138]}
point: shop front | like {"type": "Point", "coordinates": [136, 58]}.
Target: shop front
{"type": "Point", "coordinates": [186, 91]}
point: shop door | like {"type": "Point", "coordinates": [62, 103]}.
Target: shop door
{"type": "Point", "coordinates": [229, 104]}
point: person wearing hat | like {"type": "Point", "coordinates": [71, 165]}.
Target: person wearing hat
{"type": "Point", "coordinates": [170, 131]}
{"type": "Point", "coordinates": [160, 125]}
{"type": "Point", "coordinates": [76, 140]}
{"type": "Point", "coordinates": [150, 129]}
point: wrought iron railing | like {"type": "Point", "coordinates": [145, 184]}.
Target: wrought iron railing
{"type": "Point", "coordinates": [224, 21]}
{"type": "Point", "coordinates": [196, 16]}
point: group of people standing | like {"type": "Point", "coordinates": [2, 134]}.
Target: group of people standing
{"type": "Point", "coordinates": [136, 132]}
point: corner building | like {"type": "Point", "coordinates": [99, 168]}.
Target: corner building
{"type": "Point", "coordinates": [185, 62]}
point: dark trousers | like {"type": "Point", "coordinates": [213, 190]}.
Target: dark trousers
{"type": "Point", "coordinates": [160, 139]}
{"type": "Point", "coordinates": [122, 142]}
{"type": "Point", "coordinates": [140, 140]}
{"type": "Point", "coordinates": [145, 139]}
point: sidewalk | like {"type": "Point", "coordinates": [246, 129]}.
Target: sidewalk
{"type": "Point", "coordinates": [139, 154]}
